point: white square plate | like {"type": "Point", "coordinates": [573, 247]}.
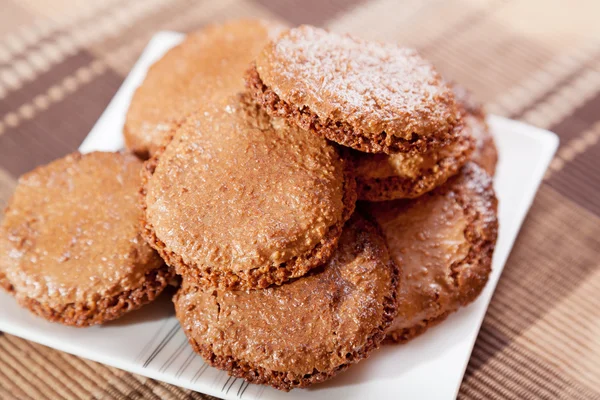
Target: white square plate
{"type": "Point", "coordinates": [150, 342]}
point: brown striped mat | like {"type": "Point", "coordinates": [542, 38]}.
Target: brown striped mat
{"type": "Point", "coordinates": [61, 61]}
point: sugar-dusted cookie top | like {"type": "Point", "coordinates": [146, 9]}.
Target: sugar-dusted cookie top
{"type": "Point", "coordinates": [374, 97]}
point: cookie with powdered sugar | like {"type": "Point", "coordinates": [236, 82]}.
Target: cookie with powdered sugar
{"type": "Point", "coordinates": [371, 96]}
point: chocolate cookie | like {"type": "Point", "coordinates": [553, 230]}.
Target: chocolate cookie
{"type": "Point", "coordinates": [485, 154]}
{"type": "Point", "coordinates": [208, 63]}
{"type": "Point", "coordinates": [70, 247]}
{"type": "Point", "coordinates": [302, 332]}
{"type": "Point", "coordinates": [371, 96]}
{"type": "Point", "coordinates": [443, 243]}
{"type": "Point", "coordinates": [239, 200]}
{"type": "Point", "coordinates": [382, 177]}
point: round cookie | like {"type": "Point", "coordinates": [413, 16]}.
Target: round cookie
{"type": "Point", "coordinates": [443, 243]}
{"type": "Point", "coordinates": [302, 332]}
{"type": "Point", "coordinates": [485, 153]}
{"type": "Point", "coordinates": [381, 177]}
{"type": "Point", "coordinates": [70, 247]}
{"type": "Point", "coordinates": [238, 200]}
{"type": "Point", "coordinates": [207, 63]}
{"type": "Point", "coordinates": [371, 96]}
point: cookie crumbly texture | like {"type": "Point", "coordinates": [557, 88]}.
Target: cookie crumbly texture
{"type": "Point", "coordinates": [373, 97]}
{"type": "Point", "coordinates": [304, 331]}
{"type": "Point", "coordinates": [80, 314]}
{"type": "Point", "coordinates": [381, 177]}
{"type": "Point", "coordinates": [206, 64]}
{"type": "Point", "coordinates": [70, 247]}
{"type": "Point", "coordinates": [443, 243]}
{"type": "Point", "coordinates": [272, 203]}
{"type": "Point", "coordinates": [485, 153]}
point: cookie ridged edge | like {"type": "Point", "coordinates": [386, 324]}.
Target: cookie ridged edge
{"type": "Point", "coordinates": [80, 314]}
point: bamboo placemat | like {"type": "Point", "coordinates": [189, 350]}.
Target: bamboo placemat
{"type": "Point", "coordinates": [61, 61]}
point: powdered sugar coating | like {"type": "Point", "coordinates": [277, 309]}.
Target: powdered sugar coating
{"type": "Point", "coordinates": [377, 88]}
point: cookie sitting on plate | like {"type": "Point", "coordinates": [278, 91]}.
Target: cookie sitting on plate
{"type": "Point", "coordinates": [70, 246]}
{"type": "Point", "coordinates": [304, 331]}
{"type": "Point", "coordinates": [443, 243]}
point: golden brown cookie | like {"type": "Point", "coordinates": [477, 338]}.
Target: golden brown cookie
{"type": "Point", "coordinates": [485, 154]}
{"type": "Point", "coordinates": [238, 200]}
{"type": "Point", "coordinates": [381, 177]}
{"type": "Point", "coordinates": [70, 247]}
{"type": "Point", "coordinates": [304, 331]}
{"type": "Point", "coordinates": [371, 96]}
{"type": "Point", "coordinates": [443, 243]}
{"type": "Point", "coordinates": [208, 63]}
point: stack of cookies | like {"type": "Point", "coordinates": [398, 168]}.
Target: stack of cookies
{"type": "Point", "coordinates": [317, 194]}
